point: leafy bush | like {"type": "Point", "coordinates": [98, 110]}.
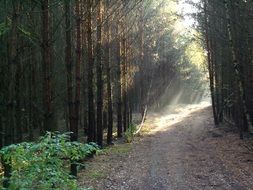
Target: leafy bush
{"type": "Point", "coordinates": [44, 165]}
{"type": "Point", "coordinates": [129, 134]}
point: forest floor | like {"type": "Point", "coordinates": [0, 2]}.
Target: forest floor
{"type": "Point", "coordinates": [179, 149]}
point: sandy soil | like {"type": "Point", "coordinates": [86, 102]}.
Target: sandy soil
{"type": "Point", "coordinates": [182, 151]}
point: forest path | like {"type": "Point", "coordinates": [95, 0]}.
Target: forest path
{"type": "Point", "coordinates": [183, 151]}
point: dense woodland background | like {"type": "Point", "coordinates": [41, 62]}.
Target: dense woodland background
{"type": "Point", "coordinates": [228, 32]}
{"type": "Point", "coordinates": [86, 66]}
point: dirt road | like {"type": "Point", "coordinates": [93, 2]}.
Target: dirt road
{"type": "Point", "coordinates": [183, 151]}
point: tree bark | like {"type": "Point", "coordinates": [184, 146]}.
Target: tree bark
{"type": "Point", "coordinates": [91, 112]}
{"type": "Point", "coordinates": [210, 66]}
{"type": "Point", "coordinates": [237, 71]}
{"type": "Point", "coordinates": [46, 48]}
{"type": "Point", "coordinates": [77, 72]}
{"type": "Point", "coordinates": [108, 77]}
{"type": "Point", "coordinates": [69, 67]}
{"type": "Point", "coordinates": [124, 85]}
{"type": "Point", "coordinates": [99, 77]}
{"type": "Point", "coordinates": [13, 65]}
{"type": "Point", "coordinates": [118, 83]}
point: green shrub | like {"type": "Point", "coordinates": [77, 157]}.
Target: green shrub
{"type": "Point", "coordinates": [45, 165]}
{"type": "Point", "coordinates": [129, 134]}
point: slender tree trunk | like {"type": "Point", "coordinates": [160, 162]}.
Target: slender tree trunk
{"type": "Point", "coordinates": [99, 77]}
{"type": "Point", "coordinates": [127, 85]}
{"type": "Point", "coordinates": [141, 67]}
{"type": "Point", "coordinates": [77, 72]}
{"type": "Point", "coordinates": [13, 64]}
{"type": "Point", "coordinates": [105, 120]}
{"type": "Point", "coordinates": [108, 77]}
{"type": "Point", "coordinates": [30, 92]}
{"type": "Point", "coordinates": [124, 67]}
{"type": "Point", "coordinates": [35, 119]}
{"type": "Point", "coordinates": [18, 115]}
{"type": "Point", "coordinates": [210, 67]}
{"type": "Point", "coordinates": [76, 109]}
{"type": "Point", "coordinates": [91, 112]}
{"type": "Point", "coordinates": [85, 84]}
{"type": "Point", "coordinates": [46, 48]}
{"type": "Point", "coordinates": [118, 83]}
{"type": "Point", "coordinates": [69, 67]}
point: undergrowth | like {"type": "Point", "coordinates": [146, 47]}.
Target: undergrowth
{"type": "Point", "coordinates": [44, 165]}
{"type": "Point", "coordinates": [129, 134]}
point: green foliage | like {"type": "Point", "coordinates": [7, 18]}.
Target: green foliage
{"type": "Point", "coordinates": [44, 165]}
{"type": "Point", "coordinates": [28, 35]}
{"type": "Point", "coordinates": [129, 134]}
{"type": "Point", "coordinates": [4, 28]}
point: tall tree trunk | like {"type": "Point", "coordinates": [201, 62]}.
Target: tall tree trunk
{"type": "Point", "coordinates": [69, 66]}
{"type": "Point", "coordinates": [76, 107]}
{"type": "Point", "coordinates": [46, 48]}
{"type": "Point", "coordinates": [91, 112]}
{"type": "Point", "coordinates": [124, 67]}
{"type": "Point", "coordinates": [77, 72]}
{"type": "Point", "coordinates": [13, 64]}
{"type": "Point", "coordinates": [118, 83]}
{"type": "Point", "coordinates": [108, 77]}
{"type": "Point", "coordinates": [99, 77]}
{"type": "Point", "coordinates": [85, 83]}
{"type": "Point", "coordinates": [35, 118]}
{"type": "Point", "coordinates": [141, 66]}
{"type": "Point", "coordinates": [30, 92]}
{"type": "Point", "coordinates": [18, 113]}
{"type": "Point", "coordinates": [237, 65]}
{"type": "Point", "coordinates": [210, 66]}
{"type": "Point", "coordinates": [127, 85]}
